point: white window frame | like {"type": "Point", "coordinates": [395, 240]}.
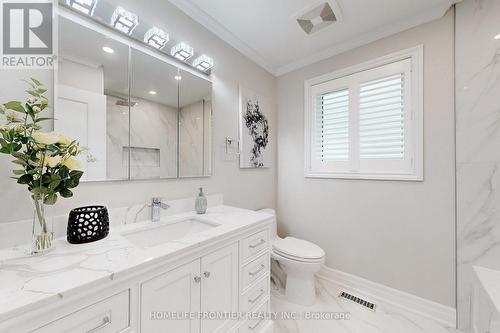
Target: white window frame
{"type": "Point", "coordinates": [412, 167]}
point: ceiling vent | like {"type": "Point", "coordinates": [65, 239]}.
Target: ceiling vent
{"type": "Point", "coordinates": [317, 18]}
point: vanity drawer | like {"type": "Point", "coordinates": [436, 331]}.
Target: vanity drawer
{"type": "Point", "coordinates": [110, 315]}
{"type": "Point", "coordinates": [256, 325]}
{"type": "Point", "coordinates": [254, 270]}
{"type": "Point", "coordinates": [254, 244]}
{"type": "Point", "coordinates": [255, 295]}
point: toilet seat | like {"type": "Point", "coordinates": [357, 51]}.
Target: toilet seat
{"type": "Point", "coordinates": [298, 249]}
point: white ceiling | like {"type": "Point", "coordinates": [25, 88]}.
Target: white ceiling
{"type": "Point", "coordinates": [266, 31]}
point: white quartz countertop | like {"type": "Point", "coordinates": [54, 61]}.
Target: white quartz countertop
{"type": "Point", "coordinates": [28, 282]}
{"type": "Point", "coordinates": [490, 281]}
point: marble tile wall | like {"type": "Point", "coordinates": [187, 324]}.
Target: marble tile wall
{"type": "Point", "coordinates": [153, 131]}
{"type": "Point", "coordinates": [192, 120]}
{"type": "Point", "coordinates": [478, 144]}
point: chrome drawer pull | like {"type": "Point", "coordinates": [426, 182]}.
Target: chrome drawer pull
{"type": "Point", "coordinates": [105, 322]}
{"type": "Point", "coordinates": [262, 267]}
{"type": "Point", "coordinates": [197, 279]}
{"type": "Point", "coordinates": [252, 328]}
{"type": "Point", "coordinates": [253, 300]}
{"type": "Point", "coordinates": [259, 243]}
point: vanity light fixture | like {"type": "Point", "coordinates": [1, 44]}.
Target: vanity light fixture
{"type": "Point", "coordinates": [203, 63]}
{"type": "Point", "coordinates": [178, 77]}
{"type": "Point", "coordinates": [182, 51]}
{"type": "Point", "coordinates": [107, 49]}
{"type": "Point", "coordinates": [85, 6]}
{"type": "Point", "coordinates": [497, 37]}
{"type": "Point", "coordinates": [156, 37]}
{"type": "Point", "coordinates": [124, 20]}
{"type": "Point", "coordinates": [152, 92]}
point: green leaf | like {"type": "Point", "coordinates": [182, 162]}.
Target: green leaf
{"type": "Point", "coordinates": [21, 156]}
{"type": "Point", "coordinates": [18, 172]}
{"type": "Point", "coordinates": [50, 199]}
{"type": "Point", "coordinates": [54, 184]}
{"type": "Point", "coordinates": [39, 190]}
{"type": "Point", "coordinates": [25, 179]}
{"type": "Point", "coordinates": [20, 162]}
{"type": "Point", "coordinates": [33, 93]}
{"type": "Point", "coordinates": [15, 106]}
{"type": "Point", "coordinates": [43, 119]}
{"type": "Point", "coordinates": [35, 81]}
{"type": "Point", "coordinates": [65, 193]}
{"type": "Point", "coordinates": [76, 174]}
{"type": "Point", "coordinates": [5, 150]}
{"type": "Point", "coordinates": [63, 172]}
{"type": "Point", "coordinates": [41, 90]}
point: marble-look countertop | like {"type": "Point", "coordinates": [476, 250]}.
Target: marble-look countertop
{"type": "Point", "coordinates": [490, 281]}
{"type": "Point", "coordinates": [28, 282]}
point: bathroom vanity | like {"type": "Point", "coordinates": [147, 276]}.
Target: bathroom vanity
{"type": "Point", "coordinates": [184, 274]}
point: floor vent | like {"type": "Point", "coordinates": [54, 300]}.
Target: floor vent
{"type": "Point", "coordinates": [358, 300]}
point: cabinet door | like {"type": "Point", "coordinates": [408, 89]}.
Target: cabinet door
{"type": "Point", "coordinates": [174, 293]}
{"type": "Point", "coordinates": [219, 293]}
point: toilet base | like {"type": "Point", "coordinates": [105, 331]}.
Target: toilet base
{"type": "Point", "coordinates": [301, 289]}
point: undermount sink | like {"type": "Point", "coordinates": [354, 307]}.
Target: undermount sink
{"type": "Point", "coordinates": [155, 234]}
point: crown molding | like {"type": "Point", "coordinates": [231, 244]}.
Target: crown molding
{"type": "Point", "coordinates": [200, 16]}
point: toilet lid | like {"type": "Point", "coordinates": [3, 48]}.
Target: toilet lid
{"type": "Point", "coordinates": [298, 248]}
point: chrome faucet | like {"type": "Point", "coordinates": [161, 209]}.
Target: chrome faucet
{"type": "Point", "coordinates": [156, 207]}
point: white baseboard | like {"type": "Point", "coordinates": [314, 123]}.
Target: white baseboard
{"type": "Point", "coordinates": [379, 293]}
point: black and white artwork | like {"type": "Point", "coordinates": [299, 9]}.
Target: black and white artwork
{"type": "Point", "coordinates": [254, 131]}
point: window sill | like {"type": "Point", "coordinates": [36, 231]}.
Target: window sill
{"type": "Point", "coordinates": [365, 176]}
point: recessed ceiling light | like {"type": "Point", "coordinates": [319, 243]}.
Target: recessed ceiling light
{"type": "Point", "coordinates": [497, 37]}
{"type": "Point", "coordinates": [85, 6]}
{"type": "Point", "coordinates": [182, 51]}
{"type": "Point", "coordinates": [178, 77]}
{"type": "Point", "coordinates": [152, 92]}
{"type": "Point", "coordinates": [203, 63]}
{"type": "Point", "coordinates": [124, 20]}
{"type": "Point", "coordinates": [107, 49]}
{"type": "Point", "coordinates": [156, 37]}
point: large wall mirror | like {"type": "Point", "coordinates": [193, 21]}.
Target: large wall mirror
{"type": "Point", "coordinates": [138, 116]}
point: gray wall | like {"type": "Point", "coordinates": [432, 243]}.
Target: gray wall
{"type": "Point", "coordinates": [244, 188]}
{"type": "Point", "coordinates": [478, 144]}
{"type": "Point", "coordinates": [400, 234]}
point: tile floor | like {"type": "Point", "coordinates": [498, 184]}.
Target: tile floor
{"type": "Point", "coordinates": [360, 320]}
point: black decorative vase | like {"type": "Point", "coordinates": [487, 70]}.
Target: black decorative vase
{"type": "Point", "coordinates": [87, 224]}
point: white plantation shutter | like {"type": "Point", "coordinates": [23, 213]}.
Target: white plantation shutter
{"type": "Point", "coordinates": [381, 118]}
{"type": "Point", "coordinates": [366, 124]}
{"type": "Point", "coordinates": [332, 126]}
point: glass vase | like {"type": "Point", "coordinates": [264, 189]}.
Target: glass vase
{"type": "Point", "coordinates": [42, 235]}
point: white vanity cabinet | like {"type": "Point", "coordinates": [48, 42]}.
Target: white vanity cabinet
{"type": "Point", "coordinates": [211, 287]}
{"type": "Point", "coordinates": [207, 285]}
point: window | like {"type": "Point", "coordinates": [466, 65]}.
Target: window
{"type": "Point", "coordinates": [366, 121]}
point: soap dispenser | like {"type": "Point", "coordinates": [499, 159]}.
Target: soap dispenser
{"type": "Point", "coordinates": [200, 204]}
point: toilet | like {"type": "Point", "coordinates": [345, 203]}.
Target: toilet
{"type": "Point", "coordinates": [300, 260]}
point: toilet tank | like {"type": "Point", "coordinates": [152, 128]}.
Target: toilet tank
{"type": "Point", "coordinates": [274, 225]}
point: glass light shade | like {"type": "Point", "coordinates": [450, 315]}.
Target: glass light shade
{"type": "Point", "coordinates": [203, 63]}
{"type": "Point", "coordinates": [124, 20]}
{"type": "Point", "coordinates": [182, 51]}
{"type": "Point", "coordinates": [156, 37]}
{"type": "Point", "coordinates": [85, 6]}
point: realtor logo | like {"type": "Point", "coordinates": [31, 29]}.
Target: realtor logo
{"type": "Point", "coordinates": [27, 34]}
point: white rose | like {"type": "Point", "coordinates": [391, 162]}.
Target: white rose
{"type": "Point", "coordinates": [50, 161]}
{"type": "Point", "coordinates": [63, 140]}
{"type": "Point", "coordinates": [46, 138]}
{"type": "Point", "coordinates": [36, 109]}
{"type": "Point", "coordinates": [71, 164]}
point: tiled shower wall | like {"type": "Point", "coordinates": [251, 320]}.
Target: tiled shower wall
{"type": "Point", "coordinates": [478, 144]}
